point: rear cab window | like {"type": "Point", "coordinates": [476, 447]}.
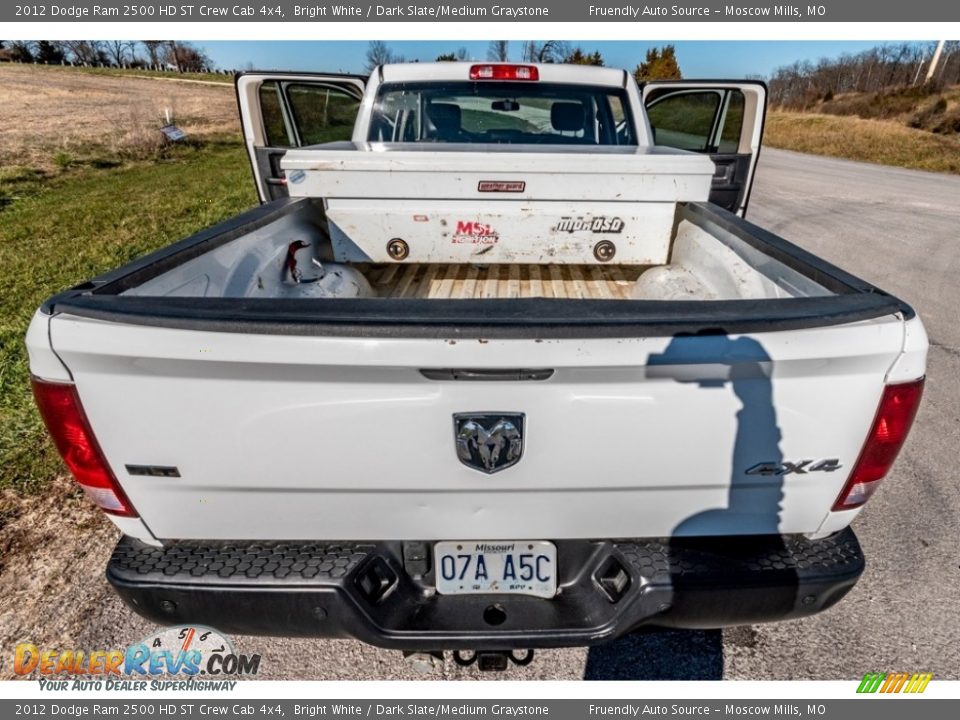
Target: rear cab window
{"type": "Point", "coordinates": [501, 112]}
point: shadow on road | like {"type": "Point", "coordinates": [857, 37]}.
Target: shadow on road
{"type": "Point", "coordinates": [715, 363]}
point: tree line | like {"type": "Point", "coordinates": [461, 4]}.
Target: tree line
{"type": "Point", "coordinates": [174, 55]}
{"type": "Point", "coordinates": [803, 83]}
{"type": "Point", "coordinates": [171, 55]}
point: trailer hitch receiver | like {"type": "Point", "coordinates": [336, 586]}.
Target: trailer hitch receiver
{"type": "Point", "coordinates": [492, 660]}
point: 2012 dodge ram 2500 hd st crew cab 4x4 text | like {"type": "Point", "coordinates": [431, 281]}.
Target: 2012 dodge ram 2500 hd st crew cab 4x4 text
{"type": "Point", "coordinates": [497, 364]}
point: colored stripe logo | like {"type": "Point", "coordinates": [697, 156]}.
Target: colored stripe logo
{"type": "Point", "coordinates": [894, 682]}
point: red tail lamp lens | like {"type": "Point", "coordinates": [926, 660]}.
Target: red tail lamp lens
{"type": "Point", "coordinates": [67, 424]}
{"type": "Point", "coordinates": [898, 408]}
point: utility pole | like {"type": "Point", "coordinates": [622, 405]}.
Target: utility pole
{"type": "Point", "coordinates": [935, 60]}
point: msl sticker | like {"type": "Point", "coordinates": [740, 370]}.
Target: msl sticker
{"type": "Point", "coordinates": [597, 224]}
{"type": "Point", "coordinates": [474, 233]}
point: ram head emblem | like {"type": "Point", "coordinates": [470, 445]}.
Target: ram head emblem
{"type": "Point", "coordinates": [489, 442]}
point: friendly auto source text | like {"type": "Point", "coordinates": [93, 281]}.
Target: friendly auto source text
{"type": "Point", "coordinates": [637, 11]}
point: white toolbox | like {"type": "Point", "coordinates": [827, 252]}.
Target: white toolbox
{"type": "Point", "coordinates": [482, 204]}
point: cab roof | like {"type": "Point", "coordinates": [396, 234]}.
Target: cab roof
{"type": "Point", "coordinates": [548, 72]}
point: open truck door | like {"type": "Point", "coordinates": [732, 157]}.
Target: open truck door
{"type": "Point", "coordinates": [722, 119]}
{"type": "Point", "coordinates": [279, 111]}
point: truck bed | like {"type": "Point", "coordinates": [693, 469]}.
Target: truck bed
{"type": "Point", "coordinates": [320, 406]}
{"type": "Point", "coordinates": [457, 281]}
{"type": "Point", "coordinates": [711, 257]}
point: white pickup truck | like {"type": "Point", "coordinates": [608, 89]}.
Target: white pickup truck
{"type": "Point", "coordinates": [496, 365]}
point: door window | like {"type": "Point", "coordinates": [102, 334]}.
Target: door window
{"type": "Point", "coordinates": [684, 120]}
{"type": "Point", "coordinates": [271, 110]}
{"type": "Point", "coordinates": [322, 114]}
{"type": "Point", "coordinates": [706, 121]}
{"type": "Point", "coordinates": [297, 114]}
{"type": "Point", "coordinates": [732, 124]}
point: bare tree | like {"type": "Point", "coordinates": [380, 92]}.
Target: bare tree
{"type": "Point", "coordinates": [186, 57]}
{"type": "Point", "coordinates": [948, 72]}
{"type": "Point", "coordinates": [462, 54]}
{"type": "Point", "coordinates": [84, 52]}
{"type": "Point", "coordinates": [118, 51]}
{"type": "Point", "coordinates": [882, 68]}
{"type": "Point", "coordinates": [21, 51]}
{"type": "Point", "coordinates": [548, 51]}
{"type": "Point", "coordinates": [378, 53]}
{"type": "Point", "coordinates": [154, 49]}
{"type": "Point", "coordinates": [499, 50]}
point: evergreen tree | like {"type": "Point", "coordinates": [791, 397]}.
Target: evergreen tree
{"type": "Point", "coordinates": [661, 64]}
{"type": "Point", "coordinates": [579, 57]}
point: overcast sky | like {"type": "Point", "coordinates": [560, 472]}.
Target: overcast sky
{"type": "Point", "coordinates": [698, 59]}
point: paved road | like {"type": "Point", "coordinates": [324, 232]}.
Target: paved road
{"type": "Point", "coordinates": [897, 228]}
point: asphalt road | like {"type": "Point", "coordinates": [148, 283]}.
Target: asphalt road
{"type": "Point", "coordinates": [896, 228]}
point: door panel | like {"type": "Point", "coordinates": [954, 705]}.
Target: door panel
{"type": "Point", "coordinates": [721, 119]}
{"type": "Point", "coordinates": [279, 111]}
{"type": "Point", "coordinates": [729, 179]}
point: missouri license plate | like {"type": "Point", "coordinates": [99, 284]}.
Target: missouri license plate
{"type": "Point", "coordinates": [510, 567]}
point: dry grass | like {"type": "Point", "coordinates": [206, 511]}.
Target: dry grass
{"type": "Point", "coordinates": [53, 117]}
{"type": "Point", "coordinates": [875, 141]}
{"type": "Point", "coordinates": [42, 565]}
{"type": "Point", "coordinates": [925, 107]}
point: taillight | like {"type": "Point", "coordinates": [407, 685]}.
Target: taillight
{"type": "Point", "coordinates": [504, 72]}
{"type": "Point", "coordinates": [898, 408]}
{"type": "Point", "coordinates": [67, 424]}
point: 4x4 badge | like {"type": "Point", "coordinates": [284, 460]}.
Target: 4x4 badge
{"type": "Point", "coordinates": [488, 442]}
{"type": "Point", "coordinates": [799, 467]}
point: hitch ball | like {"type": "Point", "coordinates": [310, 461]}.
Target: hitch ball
{"type": "Point", "coordinates": [423, 662]}
{"type": "Point", "coordinates": [398, 249]}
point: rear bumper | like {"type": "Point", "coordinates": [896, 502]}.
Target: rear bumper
{"type": "Point", "coordinates": [371, 592]}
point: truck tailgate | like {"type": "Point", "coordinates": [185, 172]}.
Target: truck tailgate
{"type": "Point", "coordinates": [318, 437]}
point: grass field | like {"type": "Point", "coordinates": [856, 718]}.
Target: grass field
{"type": "Point", "coordinates": [53, 118]}
{"type": "Point", "coordinates": [157, 74]}
{"type": "Point", "coordinates": [62, 230]}
{"type": "Point", "coordinates": [87, 183]}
